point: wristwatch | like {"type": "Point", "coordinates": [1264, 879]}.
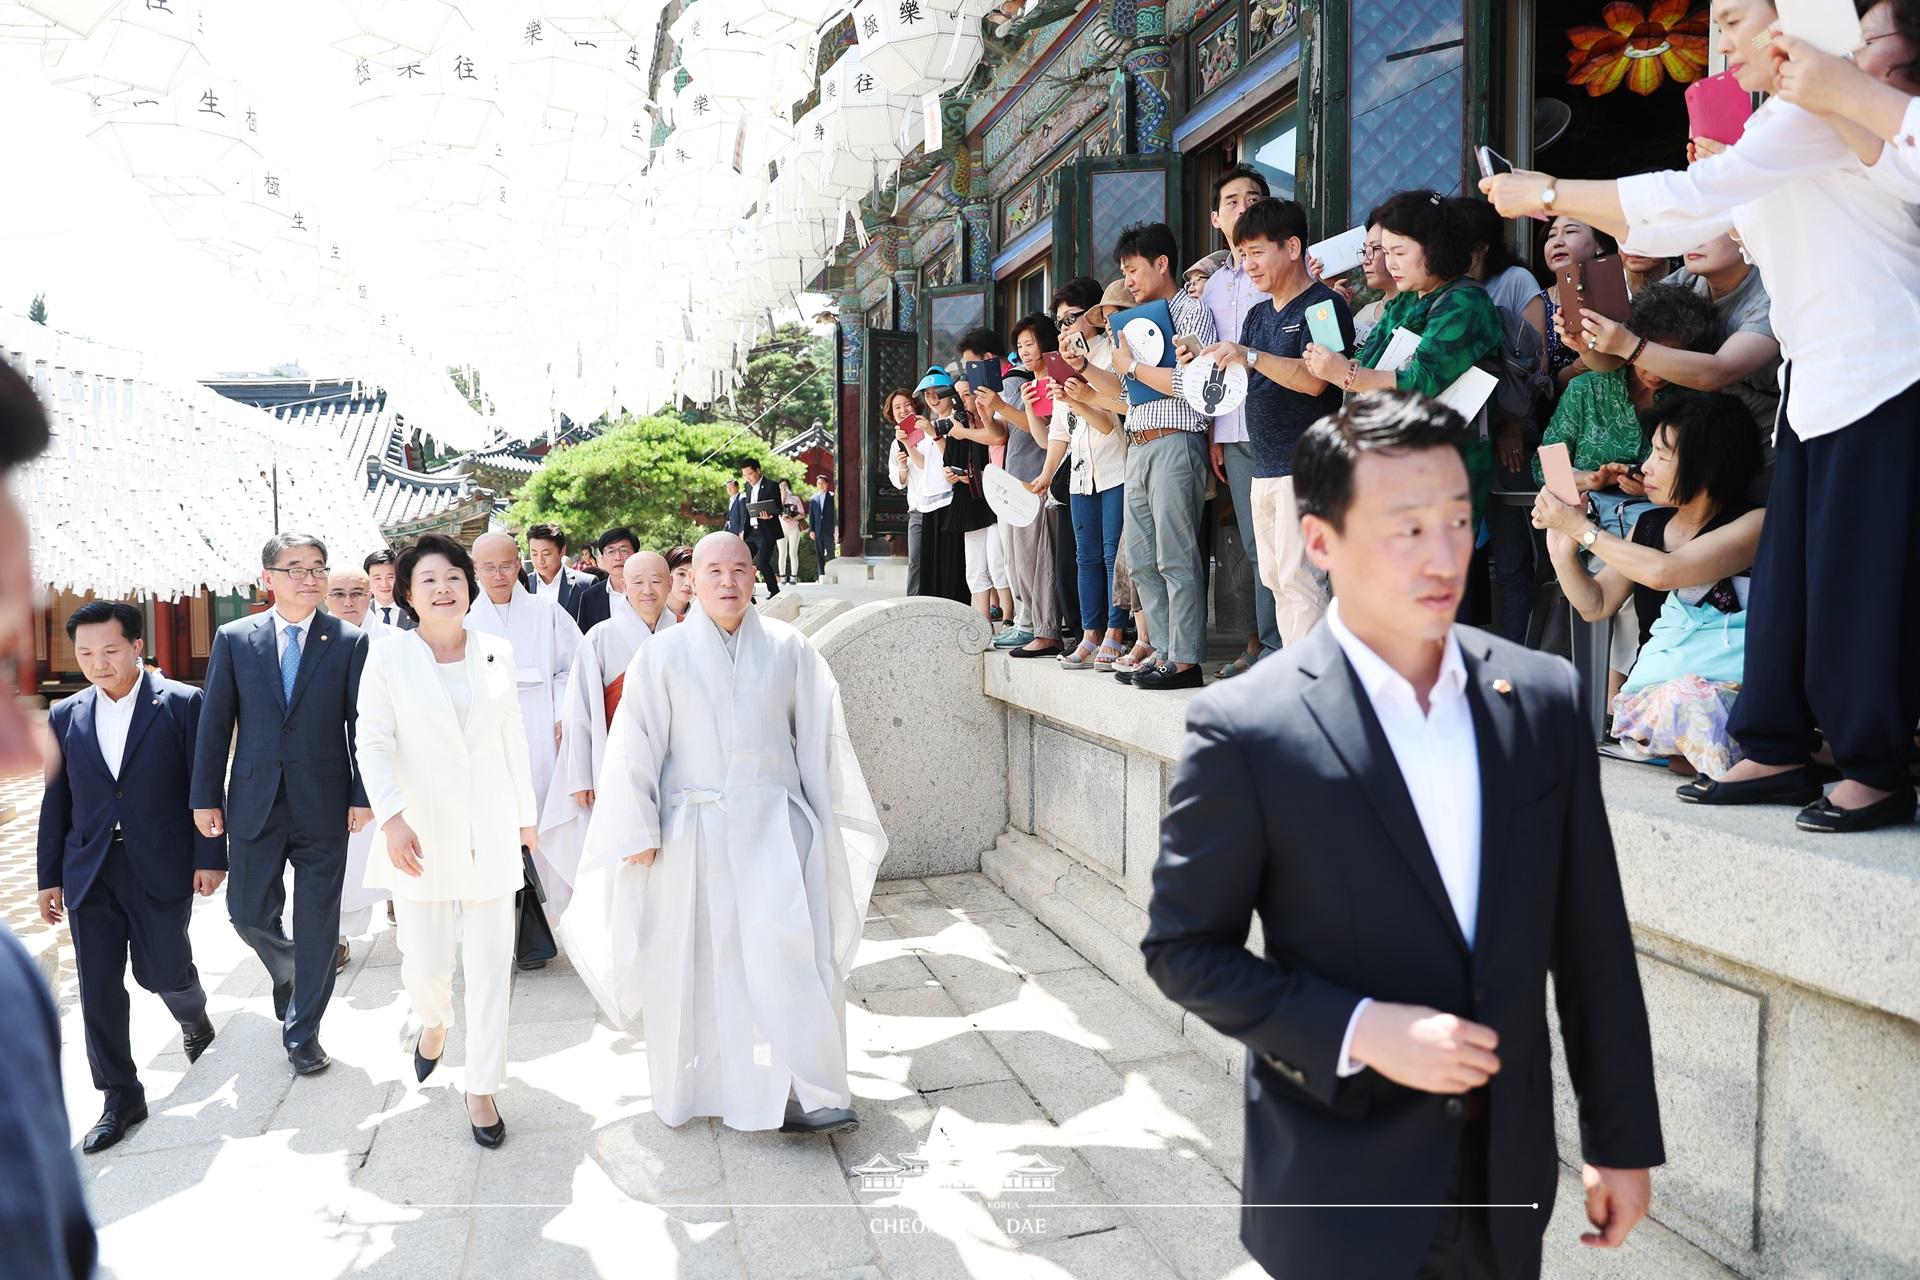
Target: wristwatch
{"type": "Point", "coordinates": [1589, 536]}
{"type": "Point", "coordinates": [1550, 194]}
{"type": "Point", "coordinates": [1253, 357]}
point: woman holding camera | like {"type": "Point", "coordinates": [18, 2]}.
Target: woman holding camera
{"type": "Point", "coordinates": [446, 769]}
{"type": "Point", "coordinates": [961, 446]}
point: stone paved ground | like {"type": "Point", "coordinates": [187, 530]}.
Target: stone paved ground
{"type": "Point", "coordinates": [982, 1045]}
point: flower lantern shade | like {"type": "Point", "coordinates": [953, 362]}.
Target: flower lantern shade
{"type": "Point", "coordinates": [396, 32]}
{"type": "Point", "coordinates": [1639, 48]}
{"type": "Point", "coordinates": [67, 17]}
{"type": "Point", "coordinates": [916, 47]}
{"type": "Point", "coordinates": [140, 51]}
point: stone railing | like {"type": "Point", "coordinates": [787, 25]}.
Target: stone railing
{"type": "Point", "coordinates": [1782, 970]}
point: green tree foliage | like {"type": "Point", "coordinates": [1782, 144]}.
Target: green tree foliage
{"type": "Point", "coordinates": [794, 355]}
{"type": "Point", "coordinates": [665, 477]}
{"type": "Point", "coordinates": [37, 309]}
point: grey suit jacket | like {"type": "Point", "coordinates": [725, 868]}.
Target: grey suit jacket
{"type": "Point", "coordinates": [305, 742]}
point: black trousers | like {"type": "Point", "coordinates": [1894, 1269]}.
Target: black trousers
{"type": "Point", "coordinates": [765, 547]}
{"type": "Point", "coordinates": [1462, 1245]}
{"type": "Point", "coordinates": [116, 921]}
{"type": "Point", "coordinates": [257, 900]}
{"type": "Point", "coordinates": [1066, 572]}
{"type": "Point", "coordinates": [1833, 621]}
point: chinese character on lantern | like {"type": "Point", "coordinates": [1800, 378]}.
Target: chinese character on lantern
{"type": "Point", "coordinates": [299, 222]}
{"type": "Point", "coordinates": [335, 254]}
{"type": "Point", "coordinates": [829, 90]}
{"type": "Point", "coordinates": [700, 104]}
{"type": "Point", "coordinates": [870, 26]}
{"type": "Point", "coordinates": [158, 6]}
{"type": "Point", "coordinates": [411, 71]}
{"type": "Point", "coordinates": [633, 57]}
{"type": "Point", "coordinates": [361, 71]}
{"type": "Point", "coordinates": [272, 185]}
{"type": "Point", "coordinates": [910, 11]}
{"type": "Point", "coordinates": [585, 44]}
{"type": "Point", "coordinates": [210, 105]}
{"type": "Point", "coordinates": [253, 121]}
{"type": "Point", "coordinates": [863, 84]}
{"type": "Point", "coordinates": [534, 34]}
{"type": "Point", "coordinates": [463, 68]}
{"type": "Point", "coordinates": [363, 293]}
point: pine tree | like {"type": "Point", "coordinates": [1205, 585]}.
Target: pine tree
{"type": "Point", "coordinates": [37, 312]}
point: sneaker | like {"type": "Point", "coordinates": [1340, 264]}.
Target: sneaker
{"type": "Point", "coordinates": [1013, 638]}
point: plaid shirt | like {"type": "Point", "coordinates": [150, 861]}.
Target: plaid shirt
{"type": "Point", "coordinates": [1190, 317]}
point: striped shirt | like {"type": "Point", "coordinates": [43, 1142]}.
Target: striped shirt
{"type": "Point", "coordinates": [1190, 317]}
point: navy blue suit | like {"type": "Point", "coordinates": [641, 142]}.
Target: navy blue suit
{"type": "Point", "coordinates": [1288, 802]}
{"type": "Point", "coordinates": [595, 604]}
{"type": "Point", "coordinates": [43, 1217]}
{"type": "Point", "coordinates": [737, 515]}
{"type": "Point", "coordinates": [123, 852]}
{"type": "Point", "coordinates": [294, 777]}
{"type": "Point", "coordinates": [825, 522]}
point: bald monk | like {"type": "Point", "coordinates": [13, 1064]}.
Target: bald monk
{"type": "Point", "coordinates": [729, 860]}
{"type": "Point", "coordinates": [544, 641]}
{"type": "Point", "coordinates": [594, 687]}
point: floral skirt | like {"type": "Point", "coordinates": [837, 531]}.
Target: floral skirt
{"type": "Point", "coordinates": [1685, 716]}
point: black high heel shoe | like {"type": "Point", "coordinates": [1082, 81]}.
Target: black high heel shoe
{"type": "Point", "coordinates": [491, 1135]}
{"type": "Point", "coordinates": [423, 1066]}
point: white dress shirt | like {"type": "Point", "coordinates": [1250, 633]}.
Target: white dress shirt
{"type": "Point", "coordinates": [1840, 253]}
{"type": "Point", "coordinates": [927, 487]}
{"type": "Point", "coordinates": [388, 613]}
{"type": "Point", "coordinates": [112, 720]}
{"type": "Point", "coordinates": [1898, 168]}
{"type": "Point", "coordinates": [551, 590]}
{"type": "Point", "coordinates": [280, 625]}
{"type": "Point", "coordinates": [1438, 755]}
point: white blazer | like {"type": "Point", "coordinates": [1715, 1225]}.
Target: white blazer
{"type": "Point", "coordinates": [466, 793]}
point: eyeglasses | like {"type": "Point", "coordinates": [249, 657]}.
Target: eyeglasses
{"type": "Point", "coordinates": [497, 570]}
{"type": "Point", "coordinates": [1368, 252]}
{"type": "Point", "coordinates": [347, 595]}
{"type": "Point", "coordinates": [299, 574]}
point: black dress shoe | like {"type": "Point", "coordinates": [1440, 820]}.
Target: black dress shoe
{"type": "Point", "coordinates": [112, 1126]}
{"type": "Point", "coordinates": [1054, 652]}
{"type": "Point", "coordinates": [490, 1135]}
{"type": "Point", "coordinates": [1830, 819]}
{"type": "Point", "coordinates": [196, 1038]}
{"type": "Point", "coordinates": [1168, 678]}
{"type": "Point", "coordinates": [309, 1059]}
{"type": "Point", "coordinates": [423, 1066]}
{"type": "Point", "coordinates": [282, 997]}
{"type": "Point", "coordinates": [340, 957]}
{"type": "Point", "coordinates": [1795, 786]}
{"type": "Point", "coordinates": [819, 1120]}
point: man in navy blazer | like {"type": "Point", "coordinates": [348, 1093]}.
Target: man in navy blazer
{"type": "Point", "coordinates": [119, 856]}
{"type": "Point", "coordinates": [550, 573]}
{"type": "Point", "coordinates": [596, 600]}
{"type": "Point", "coordinates": [1413, 809]}
{"type": "Point", "coordinates": [824, 519]}
{"type": "Point", "coordinates": [736, 509]}
{"type": "Point", "coordinates": [288, 680]}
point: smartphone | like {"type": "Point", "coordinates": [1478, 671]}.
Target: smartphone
{"type": "Point", "coordinates": [1058, 369]}
{"type": "Point", "coordinates": [1187, 343]}
{"type": "Point", "coordinates": [1556, 464]}
{"type": "Point", "coordinates": [1324, 324]}
{"type": "Point", "coordinates": [1493, 163]}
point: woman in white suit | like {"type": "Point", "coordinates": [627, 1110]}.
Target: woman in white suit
{"type": "Point", "coordinates": [446, 769]}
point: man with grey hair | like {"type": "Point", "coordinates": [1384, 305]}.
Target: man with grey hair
{"type": "Point", "coordinates": [288, 680]}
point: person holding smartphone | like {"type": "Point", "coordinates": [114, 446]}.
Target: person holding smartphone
{"type": "Point", "coordinates": [914, 464]}
{"type": "Point", "coordinates": [1283, 398]}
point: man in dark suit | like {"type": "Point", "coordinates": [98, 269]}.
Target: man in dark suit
{"type": "Point", "coordinates": [379, 567]}
{"type": "Point", "coordinates": [119, 857]}
{"type": "Point", "coordinates": [289, 679]}
{"type": "Point", "coordinates": [763, 531]}
{"type": "Point", "coordinates": [549, 574]}
{"type": "Point", "coordinates": [823, 519]}
{"type": "Point", "coordinates": [736, 510]}
{"type": "Point", "coordinates": [1413, 808]}
{"type": "Point", "coordinates": [596, 599]}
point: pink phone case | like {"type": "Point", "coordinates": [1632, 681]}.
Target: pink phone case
{"type": "Point", "coordinates": [1556, 464]}
{"type": "Point", "coordinates": [1718, 108]}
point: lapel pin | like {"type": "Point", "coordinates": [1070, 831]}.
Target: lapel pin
{"type": "Point", "coordinates": [325, 637]}
{"type": "Point", "coordinates": [1503, 686]}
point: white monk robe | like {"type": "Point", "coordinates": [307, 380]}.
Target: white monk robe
{"type": "Point", "coordinates": [357, 901]}
{"type": "Point", "coordinates": [544, 639]}
{"type": "Point", "coordinates": [730, 755]}
{"type": "Point", "coordinates": [603, 658]}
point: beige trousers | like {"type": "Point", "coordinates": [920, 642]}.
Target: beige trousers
{"type": "Point", "coordinates": [1298, 601]}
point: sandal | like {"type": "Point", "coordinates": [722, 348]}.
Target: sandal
{"type": "Point", "coordinates": [1135, 658]}
{"type": "Point", "coordinates": [1080, 659]}
{"type": "Point", "coordinates": [1238, 667]}
{"type": "Point", "coordinates": [1108, 655]}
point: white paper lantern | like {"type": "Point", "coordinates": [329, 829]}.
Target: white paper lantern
{"type": "Point", "coordinates": [916, 47]}
{"type": "Point", "coordinates": [194, 141]}
{"type": "Point", "coordinates": [860, 115]}
{"type": "Point", "coordinates": [53, 19]}
{"type": "Point", "coordinates": [396, 32]}
{"type": "Point", "coordinates": [430, 105]}
{"type": "Point", "coordinates": [142, 50]}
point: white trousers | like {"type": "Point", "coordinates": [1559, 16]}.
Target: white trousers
{"type": "Point", "coordinates": [789, 553]}
{"type": "Point", "coordinates": [483, 932]}
{"type": "Point", "coordinates": [986, 560]}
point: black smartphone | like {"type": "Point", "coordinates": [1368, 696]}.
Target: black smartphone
{"type": "Point", "coordinates": [1492, 162]}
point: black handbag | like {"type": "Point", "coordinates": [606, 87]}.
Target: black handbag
{"type": "Point", "coordinates": [533, 943]}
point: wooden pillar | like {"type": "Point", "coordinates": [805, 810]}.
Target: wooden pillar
{"type": "Point", "coordinates": [165, 641]}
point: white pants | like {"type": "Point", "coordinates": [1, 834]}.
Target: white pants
{"type": "Point", "coordinates": [1298, 600]}
{"type": "Point", "coordinates": [986, 560]}
{"type": "Point", "coordinates": [790, 553]}
{"type": "Point", "coordinates": [428, 932]}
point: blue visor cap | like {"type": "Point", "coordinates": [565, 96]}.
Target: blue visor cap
{"type": "Point", "coordinates": [935, 377]}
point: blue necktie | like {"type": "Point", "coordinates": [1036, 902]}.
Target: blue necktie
{"type": "Point", "coordinates": [290, 662]}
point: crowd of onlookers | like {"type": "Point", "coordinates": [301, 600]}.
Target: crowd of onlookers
{"type": "Point", "coordinates": [1750, 537]}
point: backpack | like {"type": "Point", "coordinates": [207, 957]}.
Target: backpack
{"type": "Point", "coordinates": [1520, 365]}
